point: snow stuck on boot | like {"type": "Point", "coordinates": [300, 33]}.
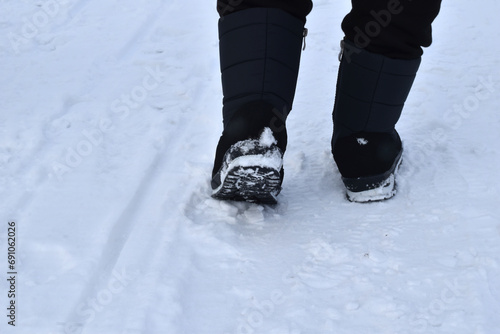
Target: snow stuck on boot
{"type": "Point", "coordinates": [251, 171]}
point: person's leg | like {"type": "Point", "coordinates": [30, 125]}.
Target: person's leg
{"type": "Point", "coordinates": [297, 8]}
{"type": "Point", "coordinates": [260, 46]}
{"type": "Point", "coordinates": [394, 28]}
{"type": "Point", "coordinates": [380, 59]}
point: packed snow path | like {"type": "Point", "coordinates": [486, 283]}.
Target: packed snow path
{"type": "Point", "coordinates": [109, 118]}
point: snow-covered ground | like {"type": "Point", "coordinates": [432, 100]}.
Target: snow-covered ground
{"type": "Point", "coordinates": [109, 118]}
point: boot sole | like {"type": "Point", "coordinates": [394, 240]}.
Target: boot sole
{"type": "Point", "coordinates": [252, 171]}
{"type": "Point", "coordinates": [374, 188]}
{"type": "Point", "coordinates": [254, 184]}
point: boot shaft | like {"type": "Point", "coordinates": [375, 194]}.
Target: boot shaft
{"type": "Point", "coordinates": [371, 91]}
{"type": "Point", "coordinates": [259, 57]}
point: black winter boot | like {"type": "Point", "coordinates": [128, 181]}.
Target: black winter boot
{"type": "Point", "coordinates": [259, 55]}
{"type": "Point", "coordinates": [371, 92]}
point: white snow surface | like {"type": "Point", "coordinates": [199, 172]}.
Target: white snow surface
{"type": "Point", "coordinates": [110, 112]}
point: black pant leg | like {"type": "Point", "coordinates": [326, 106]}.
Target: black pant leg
{"type": "Point", "coordinates": [393, 28]}
{"type": "Point", "coordinates": [297, 8]}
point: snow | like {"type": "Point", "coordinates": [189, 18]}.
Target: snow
{"type": "Point", "coordinates": [110, 115]}
{"type": "Point", "coordinates": [362, 141]}
{"type": "Point", "coordinates": [266, 138]}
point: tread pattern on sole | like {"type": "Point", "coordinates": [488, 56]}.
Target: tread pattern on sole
{"type": "Point", "coordinates": [253, 184]}
{"type": "Point", "coordinates": [252, 171]}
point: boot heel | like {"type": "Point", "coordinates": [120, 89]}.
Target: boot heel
{"type": "Point", "coordinates": [252, 171]}
{"type": "Point", "coordinates": [375, 188]}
